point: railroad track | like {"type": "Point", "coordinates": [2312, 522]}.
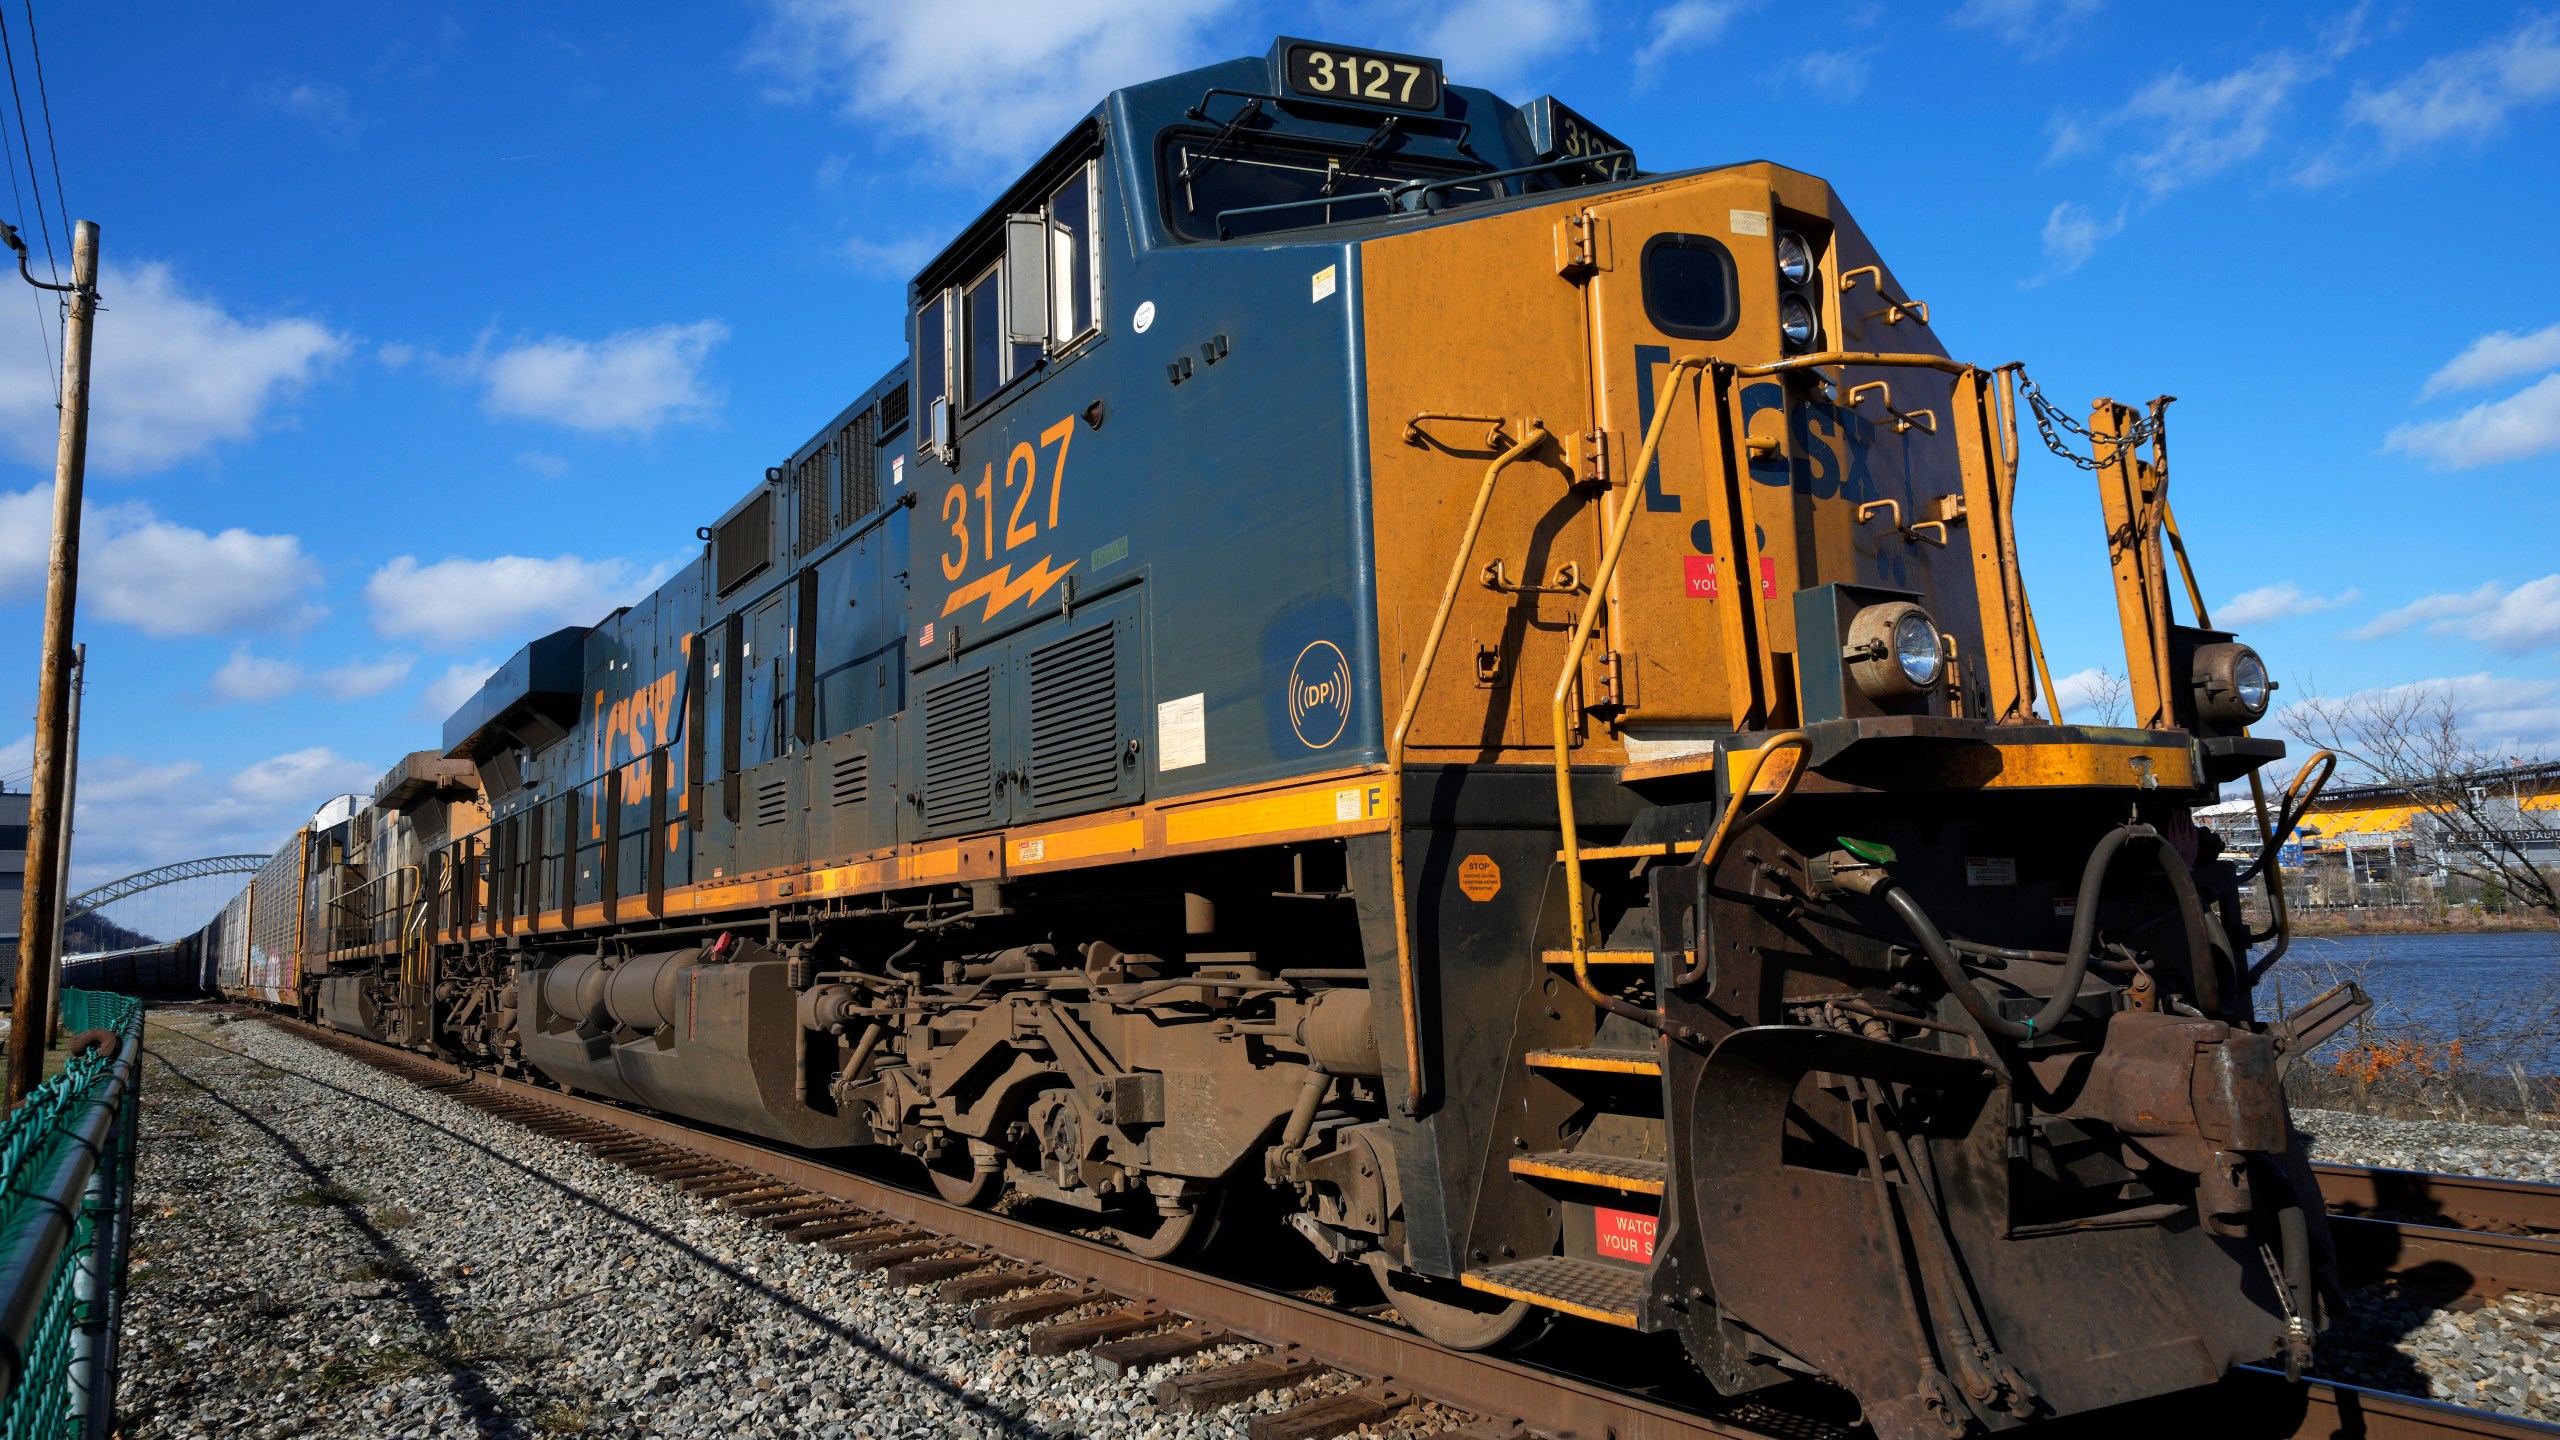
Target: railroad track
{"type": "Point", "coordinates": [1010, 1272]}
{"type": "Point", "coordinates": [2460, 1234]}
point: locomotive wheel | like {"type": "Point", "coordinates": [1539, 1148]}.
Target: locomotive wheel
{"type": "Point", "coordinates": [957, 1179]}
{"type": "Point", "coordinates": [1450, 1315]}
{"type": "Point", "coordinates": [1171, 1237]}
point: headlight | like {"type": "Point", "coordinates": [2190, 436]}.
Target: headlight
{"type": "Point", "coordinates": [2231, 684]}
{"type": "Point", "coordinates": [1894, 651]}
{"type": "Point", "coordinates": [1795, 258]}
{"type": "Point", "coordinates": [1796, 323]}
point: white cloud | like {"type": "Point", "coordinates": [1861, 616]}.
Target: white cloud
{"type": "Point", "coordinates": [134, 814]}
{"type": "Point", "coordinates": [2465, 95]}
{"type": "Point", "coordinates": [168, 579]}
{"type": "Point", "coordinates": [2094, 697]}
{"type": "Point", "coordinates": [324, 107]}
{"type": "Point", "coordinates": [2072, 235]}
{"type": "Point", "coordinates": [2036, 27]}
{"type": "Point", "coordinates": [159, 577]}
{"type": "Point", "coordinates": [630, 383]}
{"type": "Point", "coordinates": [1688, 25]}
{"type": "Point", "coordinates": [892, 259]}
{"type": "Point", "coordinates": [457, 602]}
{"type": "Point", "coordinates": [2282, 601]}
{"type": "Point", "coordinates": [303, 778]}
{"type": "Point", "coordinates": [2499, 714]}
{"type": "Point", "coordinates": [2519, 427]}
{"type": "Point", "coordinates": [544, 464]}
{"type": "Point", "coordinates": [2199, 128]}
{"type": "Point", "coordinates": [364, 679]}
{"type": "Point", "coordinates": [989, 81]}
{"type": "Point", "coordinates": [2517, 620]}
{"type": "Point", "coordinates": [1833, 75]}
{"type": "Point", "coordinates": [175, 375]}
{"type": "Point", "coordinates": [247, 679]}
{"type": "Point", "coordinates": [458, 683]}
{"type": "Point", "coordinates": [2498, 355]}
{"type": "Point", "coordinates": [1496, 42]}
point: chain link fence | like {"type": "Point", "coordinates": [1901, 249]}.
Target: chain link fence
{"type": "Point", "coordinates": [66, 1222]}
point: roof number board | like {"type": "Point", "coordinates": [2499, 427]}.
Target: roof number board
{"type": "Point", "coordinates": [1367, 77]}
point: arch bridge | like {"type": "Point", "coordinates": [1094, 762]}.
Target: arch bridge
{"type": "Point", "coordinates": [101, 896]}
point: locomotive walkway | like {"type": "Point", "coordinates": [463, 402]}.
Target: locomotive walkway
{"type": "Point", "coordinates": [327, 1248]}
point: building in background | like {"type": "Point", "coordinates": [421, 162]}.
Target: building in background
{"type": "Point", "coordinates": [13, 873]}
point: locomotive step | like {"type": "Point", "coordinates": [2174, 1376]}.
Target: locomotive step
{"type": "Point", "coordinates": [1611, 1172]}
{"type": "Point", "coordinates": [1608, 1062]}
{"type": "Point", "coordinates": [1592, 1289]}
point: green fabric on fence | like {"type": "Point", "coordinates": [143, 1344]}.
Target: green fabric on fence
{"type": "Point", "coordinates": [32, 1139]}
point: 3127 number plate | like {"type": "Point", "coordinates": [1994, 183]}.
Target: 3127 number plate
{"type": "Point", "coordinates": [1367, 77]}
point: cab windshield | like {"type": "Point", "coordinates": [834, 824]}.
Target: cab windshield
{"type": "Point", "coordinates": [1206, 178]}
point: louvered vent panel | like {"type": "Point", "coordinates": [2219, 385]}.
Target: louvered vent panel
{"type": "Point", "coordinates": [893, 412]}
{"type": "Point", "coordinates": [1075, 732]}
{"type": "Point", "coordinates": [959, 752]}
{"type": "Point", "coordinates": [849, 781]}
{"type": "Point", "coordinates": [860, 469]}
{"type": "Point", "coordinates": [813, 498]}
{"type": "Point", "coordinates": [773, 803]}
{"type": "Point", "coordinates": [746, 543]}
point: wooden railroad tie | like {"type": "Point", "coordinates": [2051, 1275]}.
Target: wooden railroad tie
{"type": "Point", "coordinates": [933, 1270]}
{"type": "Point", "coordinates": [1225, 1384]}
{"type": "Point", "coordinates": [1117, 1358]}
{"type": "Point", "coordinates": [988, 1284]}
{"type": "Point", "coordinates": [1068, 1336]}
{"type": "Point", "coordinates": [1006, 1314]}
{"type": "Point", "coordinates": [1330, 1415]}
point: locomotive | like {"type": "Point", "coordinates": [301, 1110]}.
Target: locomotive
{"type": "Point", "coordinates": [1372, 654]}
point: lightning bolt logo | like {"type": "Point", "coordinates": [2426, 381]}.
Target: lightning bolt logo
{"type": "Point", "coordinates": [1000, 589]}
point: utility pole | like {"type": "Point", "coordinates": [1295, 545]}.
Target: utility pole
{"type": "Point", "coordinates": [70, 828]}
{"type": "Point", "coordinates": [48, 817]}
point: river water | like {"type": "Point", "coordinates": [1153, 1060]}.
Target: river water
{"type": "Point", "coordinates": [2500, 994]}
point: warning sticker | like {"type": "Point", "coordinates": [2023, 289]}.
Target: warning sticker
{"type": "Point", "coordinates": [1749, 222]}
{"type": "Point", "coordinates": [1768, 578]}
{"type": "Point", "coordinates": [1990, 870]}
{"type": "Point", "coordinates": [1479, 878]}
{"type": "Point", "coordinates": [1700, 572]}
{"type": "Point", "coordinates": [1182, 733]}
{"type": "Point", "coordinates": [1624, 1234]}
{"type": "Point", "coordinates": [1030, 852]}
{"type": "Point", "coordinates": [1322, 285]}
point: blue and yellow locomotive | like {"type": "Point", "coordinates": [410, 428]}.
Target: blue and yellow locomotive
{"type": "Point", "coordinates": [1372, 651]}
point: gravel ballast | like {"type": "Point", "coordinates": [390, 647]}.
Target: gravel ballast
{"type": "Point", "coordinates": [323, 1249]}
{"type": "Point", "coordinates": [2451, 1147]}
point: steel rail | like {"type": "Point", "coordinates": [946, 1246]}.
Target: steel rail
{"type": "Point", "coordinates": [2253, 1403]}
{"type": "Point", "coordinates": [2469, 1202]}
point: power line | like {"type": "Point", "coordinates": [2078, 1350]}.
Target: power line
{"type": "Point", "coordinates": [61, 201]}
{"type": "Point", "coordinates": [44, 336]}
{"type": "Point", "coordinates": [44, 227]}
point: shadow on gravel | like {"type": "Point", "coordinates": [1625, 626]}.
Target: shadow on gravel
{"type": "Point", "coordinates": [479, 1401]}
{"type": "Point", "coordinates": [432, 1310]}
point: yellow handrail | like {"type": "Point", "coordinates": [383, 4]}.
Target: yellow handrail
{"type": "Point", "coordinates": [1414, 1090]}
{"type": "Point", "coordinates": [1581, 641]}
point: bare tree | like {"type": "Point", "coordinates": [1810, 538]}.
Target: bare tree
{"type": "Point", "coordinates": [2107, 694]}
{"type": "Point", "coordinates": [2409, 739]}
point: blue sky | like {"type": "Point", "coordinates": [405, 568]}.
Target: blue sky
{"type": "Point", "coordinates": [430, 328]}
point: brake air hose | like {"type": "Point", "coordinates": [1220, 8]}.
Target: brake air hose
{"type": "Point", "coordinates": [2084, 934]}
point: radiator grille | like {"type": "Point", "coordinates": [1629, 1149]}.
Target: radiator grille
{"type": "Point", "coordinates": [893, 412]}
{"type": "Point", "coordinates": [812, 499]}
{"type": "Point", "coordinates": [773, 803]}
{"type": "Point", "coordinates": [1075, 730]}
{"type": "Point", "coordinates": [849, 781]}
{"type": "Point", "coordinates": [959, 752]}
{"type": "Point", "coordinates": [746, 543]}
{"type": "Point", "coordinates": [860, 469]}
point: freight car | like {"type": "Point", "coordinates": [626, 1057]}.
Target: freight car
{"type": "Point", "coordinates": [1375, 654]}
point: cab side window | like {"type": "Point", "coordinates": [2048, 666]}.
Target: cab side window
{"type": "Point", "coordinates": [1038, 297]}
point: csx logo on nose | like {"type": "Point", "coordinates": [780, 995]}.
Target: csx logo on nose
{"type": "Point", "coordinates": [1319, 694]}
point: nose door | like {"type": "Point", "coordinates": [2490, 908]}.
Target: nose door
{"type": "Point", "coordinates": [1678, 272]}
